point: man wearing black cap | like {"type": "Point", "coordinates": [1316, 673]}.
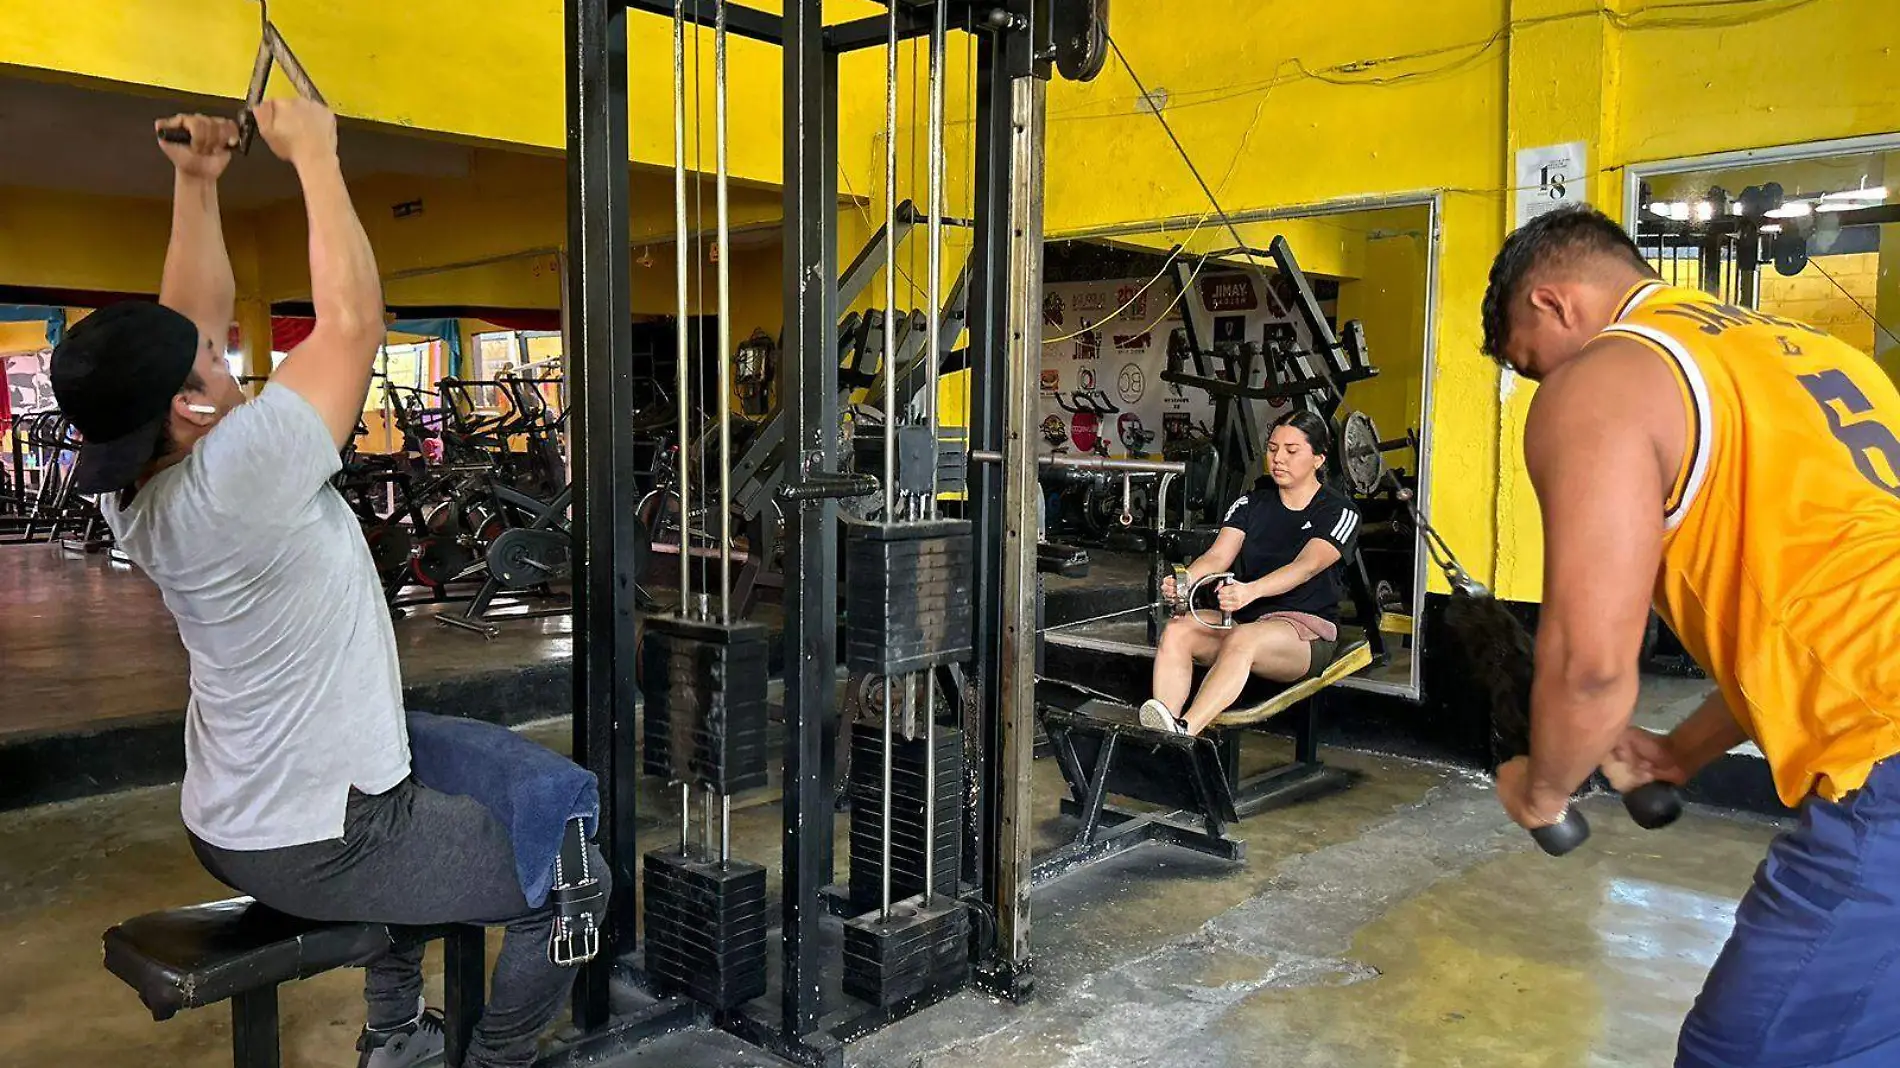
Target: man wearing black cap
{"type": "Point", "coordinates": [297, 782]}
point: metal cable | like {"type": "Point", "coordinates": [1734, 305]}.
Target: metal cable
{"type": "Point", "coordinates": [724, 275]}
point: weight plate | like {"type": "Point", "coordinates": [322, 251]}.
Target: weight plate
{"type": "Point", "coordinates": [1359, 447]}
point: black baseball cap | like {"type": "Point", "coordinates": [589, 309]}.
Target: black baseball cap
{"type": "Point", "coordinates": [114, 376]}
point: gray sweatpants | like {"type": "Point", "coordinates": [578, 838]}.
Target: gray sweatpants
{"type": "Point", "coordinates": [412, 857]}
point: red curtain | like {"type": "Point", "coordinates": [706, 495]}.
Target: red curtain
{"type": "Point", "coordinates": [287, 332]}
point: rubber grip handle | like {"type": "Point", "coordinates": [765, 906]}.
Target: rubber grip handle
{"type": "Point", "coordinates": [1654, 804]}
{"type": "Point", "coordinates": [176, 135]}
{"type": "Point", "coordinates": [1564, 835]}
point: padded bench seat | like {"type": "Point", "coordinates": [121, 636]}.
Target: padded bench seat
{"type": "Point", "coordinates": [200, 955]}
{"type": "Point", "coordinates": [1349, 660]}
{"type": "Point", "coordinates": [239, 951]}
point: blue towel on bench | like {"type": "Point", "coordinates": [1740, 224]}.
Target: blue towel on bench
{"type": "Point", "coordinates": [532, 790]}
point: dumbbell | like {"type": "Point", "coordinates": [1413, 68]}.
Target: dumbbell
{"type": "Point", "coordinates": [1653, 805]}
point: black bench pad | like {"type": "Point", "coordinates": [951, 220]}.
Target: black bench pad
{"type": "Point", "coordinates": [200, 955]}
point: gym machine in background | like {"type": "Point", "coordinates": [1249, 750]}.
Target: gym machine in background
{"type": "Point", "coordinates": [835, 981]}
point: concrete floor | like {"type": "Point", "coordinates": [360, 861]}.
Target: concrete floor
{"type": "Point", "coordinates": [1403, 922]}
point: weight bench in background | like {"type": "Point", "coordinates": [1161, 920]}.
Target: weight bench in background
{"type": "Point", "coordinates": [1103, 750]}
{"type": "Point", "coordinates": [240, 951]}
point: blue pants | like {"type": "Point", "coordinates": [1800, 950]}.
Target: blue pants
{"type": "Point", "coordinates": [1808, 978]}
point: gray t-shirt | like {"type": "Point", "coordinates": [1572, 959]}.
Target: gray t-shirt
{"type": "Point", "coordinates": [296, 694]}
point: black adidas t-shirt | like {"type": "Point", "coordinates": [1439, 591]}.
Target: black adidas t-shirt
{"type": "Point", "coordinates": [1276, 534]}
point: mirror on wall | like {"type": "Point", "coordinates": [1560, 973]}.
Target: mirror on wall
{"type": "Point", "coordinates": [1184, 340]}
{"type": "Point", "coordinates": [1813, 237]}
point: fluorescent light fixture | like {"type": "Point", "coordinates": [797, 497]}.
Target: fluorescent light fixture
{"type": "Point", "coordinates": [1876, 195]}
{"type": "Point", "coordinates": [1771, 228]}
{"type": "Point", "coordinates": [1704, 211]}
{"type": "Point", "coordinates": [1793, 209]}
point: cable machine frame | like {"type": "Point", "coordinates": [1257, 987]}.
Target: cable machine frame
{"type": "Point", "coordinates": [1013, 66]}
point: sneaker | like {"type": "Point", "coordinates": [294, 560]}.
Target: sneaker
{"type": "Point", "coordinates": [1156, 717]}
{"type": "Point", "coordinates": [412, 1045]}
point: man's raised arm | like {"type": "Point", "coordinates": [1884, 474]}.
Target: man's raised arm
{"type": "Point", "coordinates": [331, 369]}
{"type": "Point", "coordinates": [198, 282]}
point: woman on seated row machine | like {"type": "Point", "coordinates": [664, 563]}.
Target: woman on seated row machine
{"type": "Point", "coordinates": [1283, 541]}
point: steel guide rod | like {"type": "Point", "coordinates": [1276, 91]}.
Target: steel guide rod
{"type": "Point", "coordinates": [939, 32]}
{"type": "Point", "coordinates": [682, 379]}
{"type": "Point", "coordinates": [724, 274]}
{"type": "Point", "coordinates": [890, 405]}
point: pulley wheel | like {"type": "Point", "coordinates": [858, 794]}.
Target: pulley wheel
{"type": "Point", "coordinates": [1359, 448]}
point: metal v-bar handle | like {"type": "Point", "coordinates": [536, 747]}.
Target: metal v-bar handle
{"type": "Point", "coordinates": [272, 49]}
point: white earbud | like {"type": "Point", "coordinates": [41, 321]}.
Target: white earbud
{"type": "Point", "coordinates": [201, 409]}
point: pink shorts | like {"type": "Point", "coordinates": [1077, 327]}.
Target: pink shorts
{"type": "Point", "coordinates": [1309, 627]}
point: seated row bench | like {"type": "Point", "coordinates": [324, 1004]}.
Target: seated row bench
{"type": "Point", "coordinates": [1103, 751]}
{"type": "Point", "coordinates": [240, 951]}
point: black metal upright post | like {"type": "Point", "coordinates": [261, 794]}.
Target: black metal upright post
{"type": "Point", "coordinates": [989, 295]}
{"type": "Point", "coordinates": [810, 392]}
{"type": "Point", "coordinates": [600, 385]}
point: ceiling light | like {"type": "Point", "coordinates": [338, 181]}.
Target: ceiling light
{"type": "Point", "coordinates": [1793, 209]}
{"type": "Point", "coordinates": [1704, 211]}
{"type": "Point", "coordinates": [1873, 196]}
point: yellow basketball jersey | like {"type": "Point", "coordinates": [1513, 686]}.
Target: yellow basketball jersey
{"type": "Point", "coordinates": [1781, 557]}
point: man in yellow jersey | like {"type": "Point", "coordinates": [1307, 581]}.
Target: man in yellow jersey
{"type": "Point", "coordinates": [1742, 472]}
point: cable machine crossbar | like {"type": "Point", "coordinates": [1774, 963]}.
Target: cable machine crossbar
{"type": "Point", "coordinates": [913, 20]}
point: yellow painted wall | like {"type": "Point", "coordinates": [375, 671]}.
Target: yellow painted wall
{"type": "Point", "coordinates": [71, 241]}
{"type": "Point", "coordinates": [497, 77]}
{"type": "Point", "coordinates": [1390, 302]}
{"type": "Point", "coordinates": [504, 221]}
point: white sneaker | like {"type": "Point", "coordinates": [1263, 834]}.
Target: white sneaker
{"type": "Point", "coordinates": [1156, 717]}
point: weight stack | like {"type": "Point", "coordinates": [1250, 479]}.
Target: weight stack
{"type": "Point", "coordinates": [907, 815]}
{"type": "Point", "coordinates": [917, 950]}
{"type": "Point", "coordinates": [705, 927]}
{"type": "Point", "coordinates": [909, 605]}
{"type": "Point", "coordinates": [705, 703]}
